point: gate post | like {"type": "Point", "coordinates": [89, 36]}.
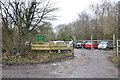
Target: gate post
{"type": "Point", "coordinates": [113, 42]}
{"type": "Point", "coordinates": [91, 43]}
{"type": "Point", "coordinates": [117, 48]}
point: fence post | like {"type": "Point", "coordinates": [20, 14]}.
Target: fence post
{"type": "Point", "coordinates": [50, 46]}
{"type": "Point", "coordinates": [113, 42]}
{"type": "Point", "coordinates": [117, 48]}
{"type": "Point", "coordinates": [91, 43]}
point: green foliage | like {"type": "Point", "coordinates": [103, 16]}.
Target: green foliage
{"type": "Point", "coordinates": [116, 60]}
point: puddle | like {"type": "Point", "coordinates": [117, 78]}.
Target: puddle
{"type": "Point", "coordinates": [66, 67]}
{"type": "Point", "coordinates": [80, 61]}
{"type": "Point", "coordinates": [98, 62]}
{"type": "Point", "coordinates": [112, 70]}
{"type": "Point", "coordinates": [27, 72]}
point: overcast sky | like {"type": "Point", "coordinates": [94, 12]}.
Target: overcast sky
{"type": "Point", "coordinates": [69, 9]}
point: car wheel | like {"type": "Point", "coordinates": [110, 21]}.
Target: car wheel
{"type": "Point", "coordinates": [107, 48]}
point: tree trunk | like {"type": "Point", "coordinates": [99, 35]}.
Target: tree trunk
{"type": "Point", "coordinates": [119, 20]}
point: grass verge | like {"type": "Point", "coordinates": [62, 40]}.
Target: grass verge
{"type": "Point", "coordinates": [34, 58]}
{"type": "Point", "coordinates": [115, 60]}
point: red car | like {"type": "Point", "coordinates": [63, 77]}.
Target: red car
{"type": "Point", "coordinates": [90, 44]}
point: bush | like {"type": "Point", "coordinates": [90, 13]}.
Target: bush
{"type": "Point", "coordinates": [116, 60]}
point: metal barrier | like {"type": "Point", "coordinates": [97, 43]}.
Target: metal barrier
{"type": "Point", "coordinates": [118, 47]}
{"type": "Point", "coordinates": [64, 45]}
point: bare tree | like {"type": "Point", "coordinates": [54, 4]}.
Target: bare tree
{"type": "Point", "coordinates": [105, 16]}
{"type": "Point", "coordinates": [7, 31]}
{"type": "Point", "coordinates": [64, 32]}
{"type": "Point", "coordinates": [119, 20]}
{"type": "Point", "coordinates": [47, 30]}
{"type": "Point", "coordinates": [26, 17]}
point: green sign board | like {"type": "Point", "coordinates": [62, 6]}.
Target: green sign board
{"type": "Point", "coordinates": [40, 38]}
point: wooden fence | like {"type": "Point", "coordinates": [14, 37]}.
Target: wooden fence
{"type": "Point", "coordinates": [52, 45]}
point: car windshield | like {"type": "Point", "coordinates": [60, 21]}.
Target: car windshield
{"type": "Point", "coordinates": [89, 43]}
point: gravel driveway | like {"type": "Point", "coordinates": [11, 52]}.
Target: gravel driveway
{"type": "Point", "coordinates": [85, 64]}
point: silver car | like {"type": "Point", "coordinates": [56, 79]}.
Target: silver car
{"type": "Point", "coordinates": [105, 45]}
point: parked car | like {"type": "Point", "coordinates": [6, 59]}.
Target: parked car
{"type": "Point", "coordinates": [91, 44]}
{"type": "Point", "coordinates": [105, 45]}
{"type": "Point", "coordinates": [78, 45]}
{"type": "Point", "coordinates": [63, 42]}
{"type": "Point", "coordinates": [83, 44]}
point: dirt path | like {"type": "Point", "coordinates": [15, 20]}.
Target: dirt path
{"type": "Point", "coordinates": [86, 64]}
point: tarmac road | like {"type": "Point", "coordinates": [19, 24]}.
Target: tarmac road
{"type": "Point", "coordinates": [85, 64]}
